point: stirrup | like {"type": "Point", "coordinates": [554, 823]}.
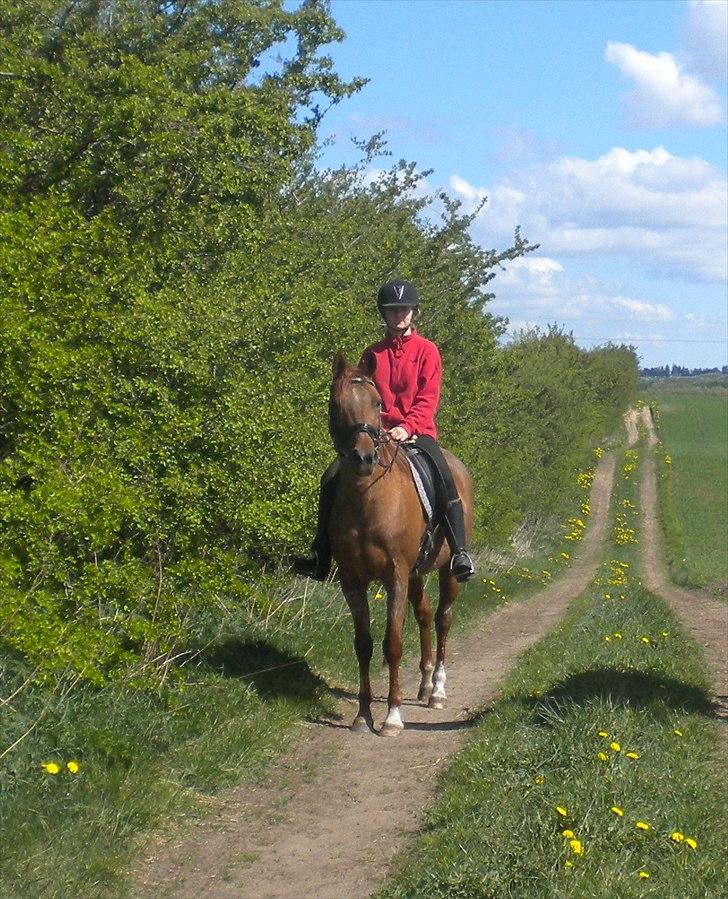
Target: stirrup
{"type": "Point", "coordinates": [316, 566]}
{"type": "Point", "coordinates": [461, 567]}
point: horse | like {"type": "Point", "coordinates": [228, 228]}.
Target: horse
{"type": "Point", "coordinates": [375, 529]}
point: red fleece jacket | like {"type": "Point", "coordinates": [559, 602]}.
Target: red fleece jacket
{"type": "Point", "coordinates": [408, 376]}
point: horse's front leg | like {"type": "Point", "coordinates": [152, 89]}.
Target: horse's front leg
{"type": "Point", "coordinates": [358, 602]}
{"type": "Point", "coordinates": [396, 606]}
{"type": "Point", "coordinates": [421, 607]}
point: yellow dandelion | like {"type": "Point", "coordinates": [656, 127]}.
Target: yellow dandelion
{"type": "Point", "coordinates": [607, 639]}
{"type": "Point", "coordinates": [50, 767]}
{"type": "Point", "coordinates": [615, 746]}
{"type": "Point", "coordinates": [603, 733]}
{"type": "Point", "coordinates": [379, 595]}
{"type": "Point", "coordinates": [678, 733]}
{"type": "Point", "coordinates": [642, 825]}
{"type": "Point", "coordinates": [568, 863]}
{"type": "Point", "coordinates": [576, 847]}
{"type": "Point", "coordinates": [617, 635]}
{"type": "Point", "coordinates": [562, 811]}
{"type": "Point", "coordinates": [693, 844]}
{"type": "Point", "coordinates": [73, 766]}
{"type": "Point", "coordinates": [645, 639]}
{"type": "Point", "coordinates": [602, 756]}
{"type": "Point", "coordinates": [538, 780]}
{"type": "Point", "coordinates": [569, 834]}
{"type": "Point", "coordinates": [607, 595]}
{"type": "Point", "coordinates": [565, 556]}
{"type": "Point", "coordinates": [644, 875]}
{"type": "Point", "coordinates": [617, 811]}
{"type": "Point", "coordinates": [665, 634]}
{"type": "Point", "coordinates": [632, 755]}
{"type": "Point", "coordinates": [677, 837]}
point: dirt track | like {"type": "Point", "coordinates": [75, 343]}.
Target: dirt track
{"type": "Point", "coordinates": [333, 814]}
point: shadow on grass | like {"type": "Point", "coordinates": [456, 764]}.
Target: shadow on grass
{"type": "Point", "coordinates": [273, 672]}
{"type": "Point", "coordinates": [631, 689]}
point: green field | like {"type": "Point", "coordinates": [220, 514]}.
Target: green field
{"type": "Point", "coordinates": [693, 428]}
{"type": "Point", "coordinates": [595, 772]}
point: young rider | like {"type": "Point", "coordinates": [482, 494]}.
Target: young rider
{"type": "Point", "coordinates": [407, 376]}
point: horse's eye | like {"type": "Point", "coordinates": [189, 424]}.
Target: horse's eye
{"type": "Point", "coordinates": [379, 406]}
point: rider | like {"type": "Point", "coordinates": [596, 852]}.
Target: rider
{"type": "Point", "coordinates": [407, 376]}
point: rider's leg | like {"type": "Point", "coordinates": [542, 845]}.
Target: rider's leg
{"type": "Point", "coordinates": [318, 565]}
{"type": "Point", "coordinates": [453, 521]}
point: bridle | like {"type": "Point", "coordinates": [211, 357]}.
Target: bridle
{"type": "Point", "coordinates": [344, 443]}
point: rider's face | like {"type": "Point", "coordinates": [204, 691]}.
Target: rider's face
{"type": "Point", "coordinates": [399, 318]}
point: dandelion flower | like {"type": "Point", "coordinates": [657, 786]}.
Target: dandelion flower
{"type": "Point", "coordinates": [615, 746]}
{"type": "Point", "coordinates": [576, 847]}
{"type": "Point", "coordinates": [568, 863]}
{"type": "Point", "coordinates": [644, 875]}
{"type": "Point", "coordinates": [617, 635]}
{"type": "Point", "coordinates": [677, 837]}
{"type": "Point", "coordinates": [617, 811]}
{"type": "Point", "coordinates": [642, 825]}
{"type": "Point", "coordinates": [693, 844]}
{"type": "Point", "coordinates": [50, 767]}
{"type": "Point", "coordinates": [379, 595]}
{"type": "Point", "coordinates": [569, 834]}
{"type": "Point", "coordinates": [645, 639]}
{"type": "Point", "coordinates": [665, 633]}
{"type": "Point", "coordinates": [602, 756]}
{"type": "Point", "coordinates": [562, 811]}
{"type": "Point", "coordinates": [607, 639]}
{"type": "Point", "coordinates": [73, 766]}
{"type": "Point", "coordinates": [632, 755]}
{"type": "Point", "coordinates": [538, 780]}
{"type": "Point", "coordinates": [678, 733]}
{"type": "Point", "coordinates": [602, 733]}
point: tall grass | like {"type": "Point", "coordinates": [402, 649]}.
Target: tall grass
{"type": "Point", "coordinates": [693, 481]}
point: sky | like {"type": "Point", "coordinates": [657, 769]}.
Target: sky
{"type": "Point", "coordinates": [597, 127]}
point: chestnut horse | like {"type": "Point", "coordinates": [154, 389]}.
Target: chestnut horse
{"type": "Point", "coordinates": [376, 526]}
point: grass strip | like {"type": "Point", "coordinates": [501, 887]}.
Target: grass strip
{"type": "Point", "coordinates": [594, 774]}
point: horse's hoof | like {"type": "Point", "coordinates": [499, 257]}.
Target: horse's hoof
{"type": "Point", "coordinates": [361, 726]}
{"type": "Point", "coordinates": [390, 730]}
{"type": "Point", "coordinates": [436, 702]}
{"type": "Point", "coordinates": [424, 694]}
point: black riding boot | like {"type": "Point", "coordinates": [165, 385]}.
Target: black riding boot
{"type": "Point", "coordinates": [453, 520]}
{"type": "Point", "coordinates": [461, 565]}
{"type": "Point", "coordinates": [318, 565]}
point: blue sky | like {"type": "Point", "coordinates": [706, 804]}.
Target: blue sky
{"type": "Point", "coordinates": [599, 127]}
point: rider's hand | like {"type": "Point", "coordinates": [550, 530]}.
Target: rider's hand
{"type": "Point", "coordinates": [398, 433]}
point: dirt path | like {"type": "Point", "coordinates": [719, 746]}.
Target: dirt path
{"type": "Point", "coordinates": [703, 618]}
{"type": "Point", "coordinates": [333, 814]}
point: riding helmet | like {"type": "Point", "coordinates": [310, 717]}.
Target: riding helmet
{"type": "Point", "coordinates": [397, 293]}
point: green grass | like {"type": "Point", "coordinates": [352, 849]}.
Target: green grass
{"type": "Point", "coordinates": [148, 759]}
{"type": "Point", "coordinates": [618, 664]}
{"type": "Point", "coordinates": [693, 429]}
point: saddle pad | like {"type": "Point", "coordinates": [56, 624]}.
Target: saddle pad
{"type": "Point", "coordinates": [419, 464]}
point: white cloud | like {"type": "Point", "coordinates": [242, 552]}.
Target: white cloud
{"type": "Point", "coordinates": [664, 93]}
{"type": "Point", "coordinates": [667, 213]}
{"type": "Point", "coordinates": [705, 39]}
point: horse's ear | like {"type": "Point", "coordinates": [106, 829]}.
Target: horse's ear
{"type": "Point", "coordinates": [340, 364]}
{"type": "Point", "coordinates": [369, 364]}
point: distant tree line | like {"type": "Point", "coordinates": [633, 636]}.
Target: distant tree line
{"type": "Point", "coordinates": [680, 371]}
{"type": "Point", "coordinates": [175, 278]}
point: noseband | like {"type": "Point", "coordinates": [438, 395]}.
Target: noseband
{"type": "Point", "coordinates": [345, 444]}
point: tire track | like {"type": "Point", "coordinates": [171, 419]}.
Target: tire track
{"type": "Point", "coordinates": [705, 619]}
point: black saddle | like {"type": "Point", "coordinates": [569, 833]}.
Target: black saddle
{"type": "Point", "coordinates": [432, 504]}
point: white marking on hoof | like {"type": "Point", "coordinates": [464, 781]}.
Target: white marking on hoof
{"type": "Point", "coordinates": [393, 724]}
{"type": "Point", "coordinates": [361, 726]}
{"type": "Point", "coordinates": [438, 697]}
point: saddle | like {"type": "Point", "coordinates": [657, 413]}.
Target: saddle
{"type": "Point", "coordinates": [425, 477]}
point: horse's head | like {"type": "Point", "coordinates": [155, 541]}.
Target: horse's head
{"type": "Point", "coordinates": [355, 409]}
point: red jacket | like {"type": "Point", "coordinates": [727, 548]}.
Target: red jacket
{"type": "Point", "coordinates": [408, 375]}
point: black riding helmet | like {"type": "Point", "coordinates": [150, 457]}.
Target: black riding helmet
{"type": "Point", "coordinates": [397, 293]}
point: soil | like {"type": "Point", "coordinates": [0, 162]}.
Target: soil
{"type": "Point", "coordinates": [339, 805]}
